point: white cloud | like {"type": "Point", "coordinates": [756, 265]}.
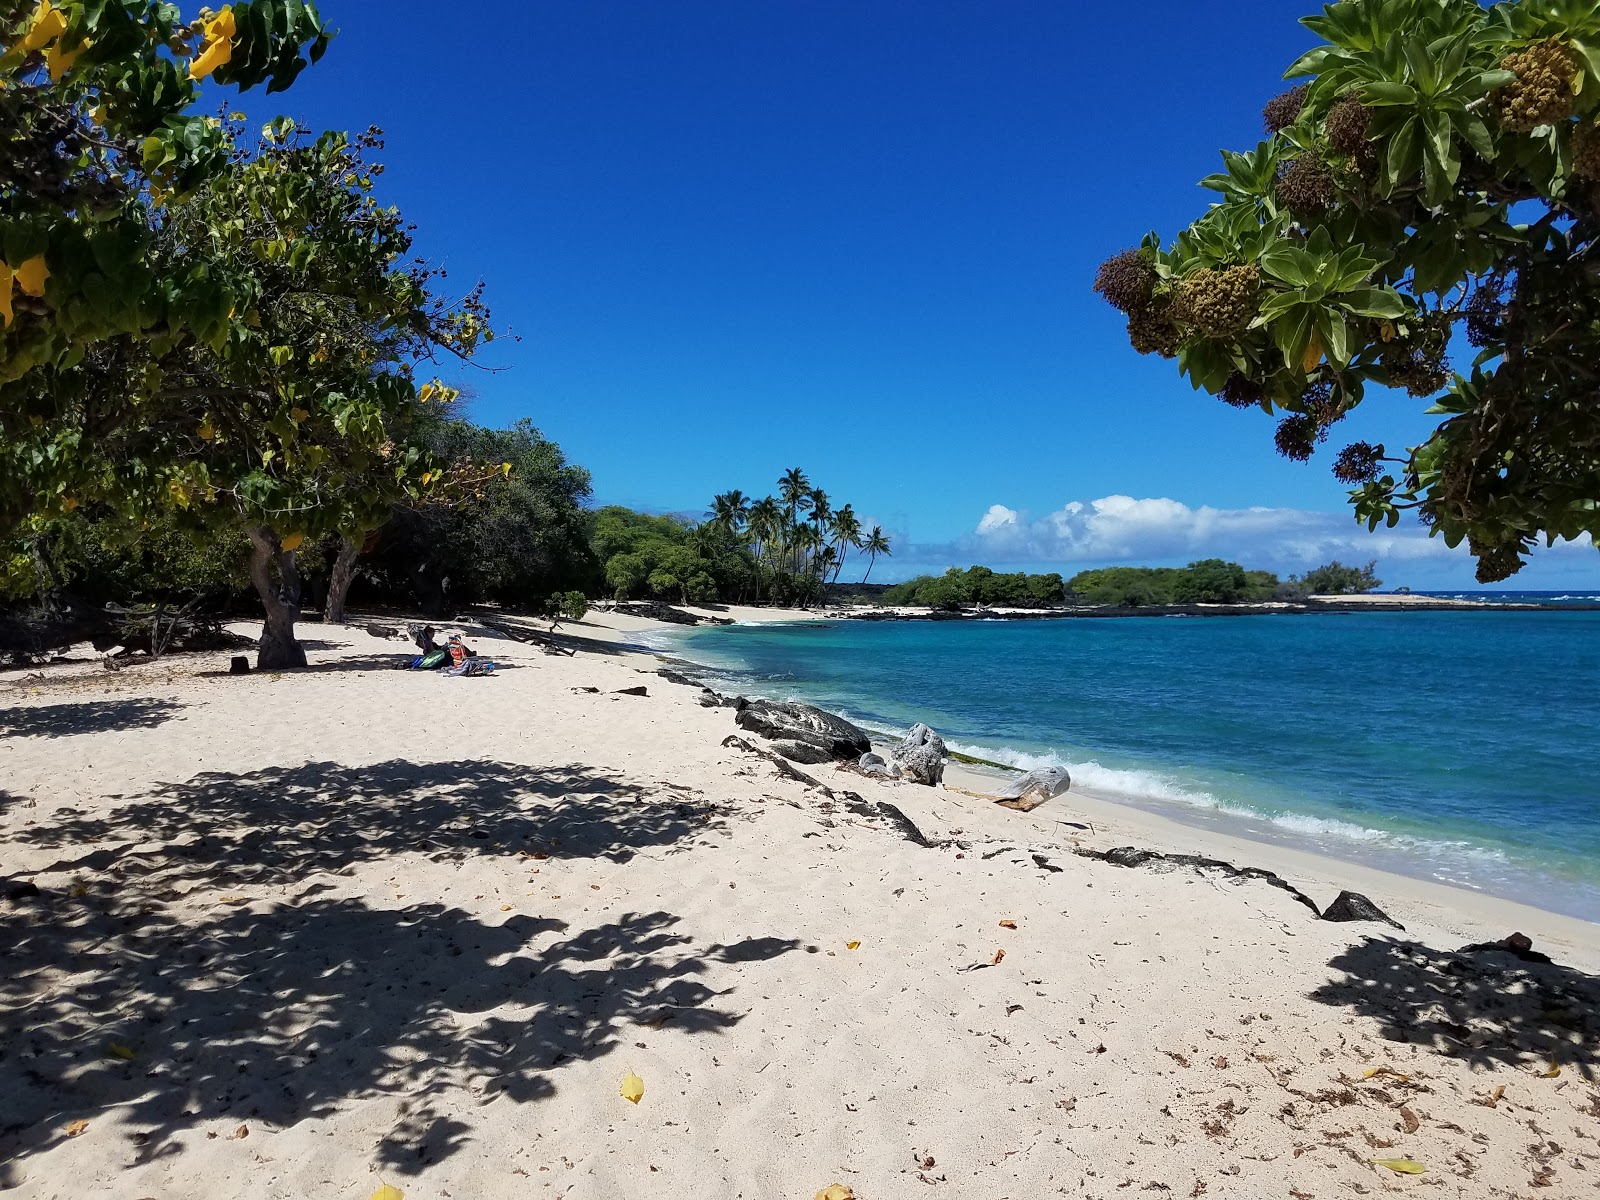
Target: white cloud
{"type": "Point", "coordinates": [1158, 531]}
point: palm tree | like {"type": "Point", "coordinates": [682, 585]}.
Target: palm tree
{"type": "Point", "coordinates": [875, 545]}
{"type": "Point", "coordinates": [795, 489]}
{"type": "Point", "coordinates": [730, 510]}
{"type": "Point", "coordinates": [846, 533]}
{"type": "Point", "coordinates": [763, 525]}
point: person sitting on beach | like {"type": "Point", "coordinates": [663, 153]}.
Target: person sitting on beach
{"type": "Point", "coordinates": [464, 661]}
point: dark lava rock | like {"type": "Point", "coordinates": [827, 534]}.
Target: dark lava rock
{"type": "Point", "coordinates": [1353, 906]}
{"type": "Point", "coordinates": [802, 733]}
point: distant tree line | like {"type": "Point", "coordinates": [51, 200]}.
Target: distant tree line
{"type": "Point", "coordinates": [1208, 581]}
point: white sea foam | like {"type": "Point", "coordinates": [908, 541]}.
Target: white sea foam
{"type": "Point", "coordinates": [1135, 785]}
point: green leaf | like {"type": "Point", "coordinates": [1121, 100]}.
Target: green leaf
{"type": "Point", "coordinates": [1380, 303]}
{"type": "Point", "coordinates": [1383, 94]}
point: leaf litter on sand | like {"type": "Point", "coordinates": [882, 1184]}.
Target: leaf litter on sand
{"type": "Point", "coordinates": [388, 1192]}
{"type": "Point", "coordinates": [852, 945]}
{"type": "Point", "coordinates": [836, 1191]}
{"type": "Point", "coordinates": [76, 1127]}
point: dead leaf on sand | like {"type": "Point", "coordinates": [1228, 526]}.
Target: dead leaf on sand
{"type": "Point", "coordinates": [76, 1127]}
{"type": "Point", "coordinates": [1008, 924]}
{"type": "Point", "coordinates": [1176, 1057]}
{"type": "Point", "coordinates": [118, 1050]}
{"type": "Point", "coordinates": [1220, 1062]}
{"type": "Point", "coordinates": [1389, 1071]}
{"type": "Point", "coordinates": [388, 1192]}
{"type": "Point", "coordinates": [999, 957]}
{"type": "Point", "coordinates": [836, 1191]}
{"type": "Point", "coordinates": [1553, 1073]}
{"type": "Point", "coordinates": [852, 945]}
{"type": "Point", "coordinates": [1408, 1120]}
{"type": "Point", "coordinates": [242, 1132]}
{"type": "Point", "coordinates": [1492, 1099]}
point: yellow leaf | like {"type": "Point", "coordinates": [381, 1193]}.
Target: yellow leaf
{"type": "Point", "coordinates": [118, 1050]}
{"type": "Point", "coordinates": [215, 54]}
{"type": "Point", "coordinates": [1553, 1073]}
{"type": "Point", "coordinates": [298, 414]}
{"type": "Point", "coordinates": [292, 542]}
{"type": "Point", "coordinates": [76, 1127]}
{"type": "Point", "coordinates": [1313, 355]}
{"type": "Point", "coordinates": [1386, 331]}
{"type": "Point", "coordinates": [68, 503]}
{"type": "Point", "coordinates": [426, 393]}
{"type": "Point", "coordinates": [836, 1191]}
{"type": "Point", "coordinates": [1400, 1166]}
{"type": "Point", "coordinates": [48, 23]}
{"type": "Point", "coordinates": [852, 945]}
{"type": "Point", "coordinates": [59, 61]}
{"type": "Point", "coordinates": [31, 276]}
{"type": "Point", "coordinates": [632, 1088]}
{"type": "Point", "coordinates": [207, 430]}
{"type": "Point", "coordinates": [222, 25]}
{"type": "Point", "coordinates": [505, 469]}
{"type": "Point", "coordinates": [388, 1192]}
{"type": "Point", "coordinates": [78, 890]}
{"type": "Point", "coordinates": [99, 114]}
{"type": "Point", "coordinates": [5, 293]}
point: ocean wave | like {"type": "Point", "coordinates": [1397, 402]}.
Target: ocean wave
{"type": "Point", "coordinates": [1136, 785]}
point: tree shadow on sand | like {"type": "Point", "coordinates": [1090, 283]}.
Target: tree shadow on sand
{"type": "Point", "coordinates": [1486, 1006]}
{"type": "Point", "coordinates": [281, 824]}
{"type": "Point", "coordinates": [280, 1010]}
{"type": "Point", "coordinates": [96, 716]}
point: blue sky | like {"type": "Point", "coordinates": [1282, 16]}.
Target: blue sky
{"type": "Point", "coordinates": [857, 237]}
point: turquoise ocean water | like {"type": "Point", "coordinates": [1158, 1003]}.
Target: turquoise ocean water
{"type": "Point", "coordinates": [1457, 746]}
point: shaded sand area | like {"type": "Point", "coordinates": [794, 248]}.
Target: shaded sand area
{"type": "Point", "coordinates": [298, 935]}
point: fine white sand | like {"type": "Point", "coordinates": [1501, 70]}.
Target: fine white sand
{"type": "Point", "coordinates": [302, 934]}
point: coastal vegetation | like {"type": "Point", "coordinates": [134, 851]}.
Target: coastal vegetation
{"type": "Point", "coordinates": [1336, 579]}
{"type": "Point", "coordinates": [1430, 186]}
{"type": "Point", "coordinates": [979, 585]}
{"type": "Point", "coordinates": [206, 332]}
{"type": "Point", "coordinates": [784, 548]}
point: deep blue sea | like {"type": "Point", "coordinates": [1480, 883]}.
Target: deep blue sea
{"type": "Point", "coordinates": [1457, 746]}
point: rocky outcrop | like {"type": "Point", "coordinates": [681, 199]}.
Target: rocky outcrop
{"type": "Point", "coordinates": [803, 734]}
{"type": "Point", "coordinates": [1353, 906]}
{"type": "Point", "coordinates": [920, 756]}
{"type": "Point", "coordinates": [1034, 788]}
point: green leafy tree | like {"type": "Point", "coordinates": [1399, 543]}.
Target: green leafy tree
{"type": "Point", "coordinates": [295, 417]}
{"type": "Point", "coordinates": [94, 96]}
{"type": "Point", "coordinates": [1210, 581]}
{"type": "Point", "coordinates": [1336, 579]}
{"type": "Point", "coordinates": [1435, 178]}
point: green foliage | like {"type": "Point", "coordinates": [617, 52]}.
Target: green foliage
{"type": "Point", "coordinates": [94, 559]}
{"type": "Point", "coordinates": [94, 95]}
{"type": "Point", "coordinates": [1336, 579]}
{"type": "Point", "coordinates": [1438, 168]}
{"type": "Point", "coordinates": [979, 585]}
{"type": "Point", "coordinates": [1208, 581]}
{"type": "Point", "coordinates": [573, 606]}
{"type": "Point", "coordinates": [513, 538]}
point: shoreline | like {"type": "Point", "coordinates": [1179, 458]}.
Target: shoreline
{"type": "Point", "coordinates": [1251, 839]}
{"type": "Point", "coordinates": [1257, 608]}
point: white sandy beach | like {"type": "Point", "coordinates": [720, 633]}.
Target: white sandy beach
{"type": "Point", "coordinates": [299, 935]}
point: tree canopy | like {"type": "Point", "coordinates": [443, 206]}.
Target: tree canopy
{"type": "Point", "coordinates": [1433, 181]}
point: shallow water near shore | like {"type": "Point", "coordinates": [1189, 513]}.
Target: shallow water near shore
{"type": "Point", "coordinates": [1453, 746]}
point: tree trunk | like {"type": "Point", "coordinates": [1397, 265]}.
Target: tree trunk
{"type": "Point", "coordinates": [339, 580]}
{"type": "Point", "coordinates": [279, 648]}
